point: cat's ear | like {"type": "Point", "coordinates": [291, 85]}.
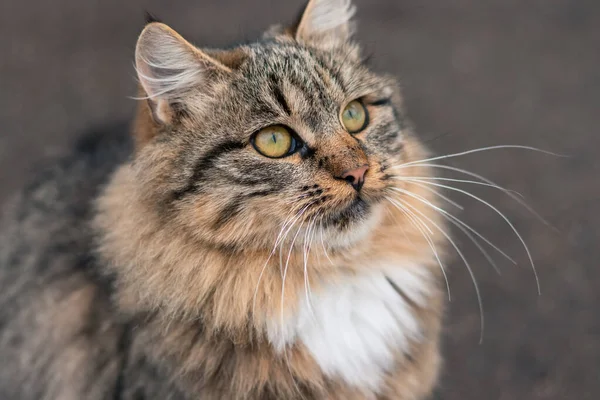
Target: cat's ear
{"type": "Point", "coordinates": [169, 68]}
{"type": "Point", "coordinates": [326, 23]}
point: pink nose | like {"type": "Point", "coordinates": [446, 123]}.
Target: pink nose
{"type": "Point", "coordinates": [356, 177]}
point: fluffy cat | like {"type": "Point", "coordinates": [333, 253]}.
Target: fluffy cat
{"type": "Point", "coordinates": [260, 239]}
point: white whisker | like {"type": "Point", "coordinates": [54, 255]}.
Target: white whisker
{"type": "Point", "coordinates": [505, 219]}
{"type": "Point", "coordinates": [427, 238]}
{"type": "Point", "coordinates": [287, 263]}
{"type": "Point", "coordinates": [458, 223]}
{"type": "Point", "coordinates": [280, 239]}
{"type": "Point", "coordinates": [400, 225]}
{"type": "Point", "coordinates": [300, 214]}
{"type": "Point", "coordinates": [469, 269]}
{"type": "Point", "coordinates": [307, 245]}
{"type": "Point", "coordinates": [464, 153]}
{"type": "Point", "coordinates": [509, 193]}
{"type": "Point", "coordinates": [287, 220]}
{"type": "Point", "coordinates": [285, 352]}
{"type": "Point", "coordinates": [456, 220]}
{"type": "Point", "coordinates": [437, 193]}
{"type": "Point", "coordinates": [323, 245]}
{"type": "Point", "coordinates": [429, 178]}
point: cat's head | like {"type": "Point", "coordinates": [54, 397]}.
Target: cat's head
{"type": "Point", "coordinates": [279, 137]}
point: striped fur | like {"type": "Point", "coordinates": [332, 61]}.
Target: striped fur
{"type": "Point", "coordinates": [194, 267]}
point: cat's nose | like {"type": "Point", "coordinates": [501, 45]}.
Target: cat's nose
{"type": "Point", "coordinates": [355, 177]}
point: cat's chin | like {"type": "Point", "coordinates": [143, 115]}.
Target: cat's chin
{"type": "Point", "coordinates": [353, 224]}
{"type": "Point", "coordinates": [343, 219]}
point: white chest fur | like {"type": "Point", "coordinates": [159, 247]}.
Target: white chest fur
{"type": "Point", "coordinates": [353, 327]}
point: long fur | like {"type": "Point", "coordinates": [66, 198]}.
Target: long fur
{"type": "Point", "coordinates": [191, 266]}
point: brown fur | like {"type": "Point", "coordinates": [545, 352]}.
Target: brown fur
{"type": "Point", "coordinates": [222, 296]}
{"type": "Point", "coordinates": [176, 272]}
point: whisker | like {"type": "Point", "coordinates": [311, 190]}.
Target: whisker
{"type": "Point", "coordinates": [400, 225]}
{"type": "Point", "coordinates": [464, 153]}
{"type": "Point", "coordinates": [427, 238]}
{"type": "Point", "coordinates": [404, 210]}
{"type": "Point", "coordinates": [453, 218]}
{"type": "Point", "coordinates": [414, 219]}
{"type": "Point", "coordinates": [437, 193]}
{"type": "Point", "coordinates": [464, 181]}
{"type": "Point", "coordinates": [323, 244]}
{"type": "Point", "coordinates": [424, 225]}
{"type": "Point", "coordinates": [286, 233]}
{"type": "Point", "coordinates": [307, 246]}
{"type": "Point", "coordinates": [312, 238]}
{"type": "Point", "coordinates": [290, 220]}
{"type": "Point", "coordinates": [287, 220]}
{"type": "Point", "coordinates": [469, 269]}
{"type": "Point", "coordinates": [285, 352]}
{"type": "Point", "coordinates": [509, 193]}
{"type": "Point", "coordinates": [505, 219]}
{"type": "Point", "coordinates": [287, 263]}
{"type": "Point", "coordinates": [458, 223]}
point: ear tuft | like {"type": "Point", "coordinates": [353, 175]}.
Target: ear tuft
{"type": "Point", "coordinates": [166, 64]}
{"type": "Point", "coordinates": [326, 22]}
{"type": "Point", "coordinates": [169, 68]}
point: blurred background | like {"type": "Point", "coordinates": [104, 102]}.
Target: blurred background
{"type": "Point", "coordinates": [475, 73]}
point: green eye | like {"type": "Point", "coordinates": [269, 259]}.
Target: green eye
{"type": "Point", "coordinates": [274, 142]}
{"type": "Point", "coordinates": [355, 117]}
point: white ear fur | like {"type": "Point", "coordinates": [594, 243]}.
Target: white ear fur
{"type": "Point", "coordinates": [327, 22]}
{"type": "Point", "coordinates": [168, 66]}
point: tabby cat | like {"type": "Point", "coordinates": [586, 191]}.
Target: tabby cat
{"type": "Point", "coordinates": [260, 238]}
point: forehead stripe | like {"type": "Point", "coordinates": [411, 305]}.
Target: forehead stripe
{"type": "Point", "coordinates": [280, 97]}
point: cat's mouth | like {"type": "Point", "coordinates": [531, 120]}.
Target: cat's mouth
{"type": "Point", "coordinates": [356, 211]}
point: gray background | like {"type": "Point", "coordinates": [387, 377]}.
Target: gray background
{"type": "Point", "coordinates": [475, 73]}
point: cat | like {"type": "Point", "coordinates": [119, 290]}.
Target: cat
{"type": "Point", "coordinates": [257, 236]}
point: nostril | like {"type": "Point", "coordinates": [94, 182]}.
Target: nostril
{"type": "Point", "coordinates": [358, 185]}
{"type": "Point", "coordinates": [356, 176]}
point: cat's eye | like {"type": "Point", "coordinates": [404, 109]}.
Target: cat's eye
{"type": "Point", "coordinates": [274, 141]}
{"type": "Point", "coordinates": [355, 117]}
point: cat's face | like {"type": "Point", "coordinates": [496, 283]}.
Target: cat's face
{"type": "Point", "coordinates": [290, 137]}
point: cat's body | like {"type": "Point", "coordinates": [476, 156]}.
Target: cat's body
{"type": "Point", "coordinates": [192, 267]}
